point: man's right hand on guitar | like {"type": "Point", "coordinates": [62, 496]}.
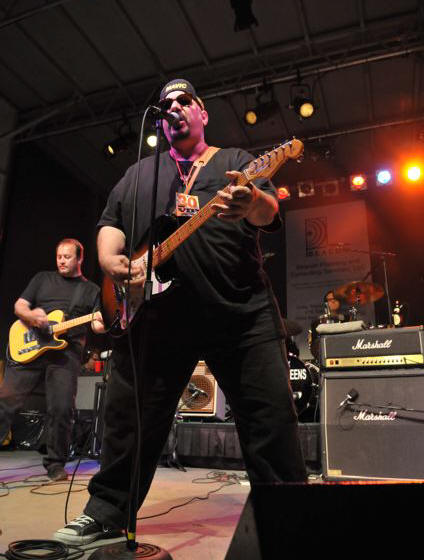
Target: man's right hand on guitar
{"type": "Point", "coordinates": [38, 318]}
{"type": "Point", "coordinates": [116, 266]}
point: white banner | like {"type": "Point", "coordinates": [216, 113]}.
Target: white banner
{"type": "Point", "coordinates": [321, 245]}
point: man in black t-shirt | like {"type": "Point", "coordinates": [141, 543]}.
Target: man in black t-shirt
{"type": "Point", "coordinates": [66, 290]}
{"type": "Point", "coordinates": [222, 310]}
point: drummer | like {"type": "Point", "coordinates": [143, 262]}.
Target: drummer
{"type": "Point", "coordinates": [332, 315]}
{"type": "Point", "coordinates": [333, 306]}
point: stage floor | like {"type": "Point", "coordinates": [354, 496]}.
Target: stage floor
{"type": "Point", "coordinates": [31, 507]}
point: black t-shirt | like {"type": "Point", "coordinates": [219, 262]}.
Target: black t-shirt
{"type": "Point", "coordinates": [50, 291]}
{"type": "Point", "coordinates": [220, 264]}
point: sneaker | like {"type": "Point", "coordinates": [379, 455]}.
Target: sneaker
{"type": "Point", "coordinates": [84, 530]}
{"type": "Point", "coordinates": [56, 473]}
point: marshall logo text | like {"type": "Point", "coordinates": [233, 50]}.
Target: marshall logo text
{"type": "Point", "coordinates": [362, 345]}
{"type": "Point", "coordinates": [365, 416]}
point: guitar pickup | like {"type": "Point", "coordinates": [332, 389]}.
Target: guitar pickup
{"type": "Point", "coordinates": [29, 336]}
{"type": "Point", "coordinates": [30, 349]}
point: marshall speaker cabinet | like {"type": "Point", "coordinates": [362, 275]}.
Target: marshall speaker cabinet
{"type": "Point", "coordinates": [372, 424]}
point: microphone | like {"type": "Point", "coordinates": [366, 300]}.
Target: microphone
{"type": "Point", "coordinates": [194, 389]}
{"type": "Point", "coordinates": [172, 118]}
{"type": "Point", "coordinates": [350, 396]}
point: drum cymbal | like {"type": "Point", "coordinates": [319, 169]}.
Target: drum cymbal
{"type": "Point", "coordinates": [359, 293]}
{"type": "Point", "coordinates": [292, 327]}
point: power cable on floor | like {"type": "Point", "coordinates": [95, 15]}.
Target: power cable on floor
{"type": "Point", "coordinates": [213, 477]}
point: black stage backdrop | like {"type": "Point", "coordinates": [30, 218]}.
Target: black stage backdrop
{"type": "Point", "coordinates": [45, 205]}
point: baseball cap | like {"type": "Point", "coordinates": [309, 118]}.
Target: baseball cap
{"type": "Point", "coordinates": [179, 84]}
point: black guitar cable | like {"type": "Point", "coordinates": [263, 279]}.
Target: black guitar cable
{"type": "Point", "coordinates": [33, 550]}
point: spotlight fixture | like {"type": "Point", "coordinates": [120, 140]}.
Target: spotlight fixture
{"type": "Point", "coordinates": [413, 173]}
{"type": "Point", "coordinates": [303, 106]}
{"type": "Point", "coordinates": [263, 108]}
{"type": "Point", "coordinates": [301, 100]}
{"type": "Point", "coordinates": [305, 188]}
{"type": "Point", "coordinates": [358, 182]}
{"type": "Point", "coordinates": [383, 177]}
{"type": "Point", "coordinates": [283, 193]}
{"type": "Point", "coordinates": [119, 144]}
{"type": "Point", "coordinates": [329, 188]}
{"type": "Point", "coordinates": [244, 14]}
{"type": "Point", "coordinates": [260, 112]}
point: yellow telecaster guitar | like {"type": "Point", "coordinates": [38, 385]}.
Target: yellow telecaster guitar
{"type": "Point", "coordinates": [28, 343]}
{"type": "Point", "coordinates": [115, 312]}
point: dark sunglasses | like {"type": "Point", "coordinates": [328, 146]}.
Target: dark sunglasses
{"type": "Point", "coordinates": [184, 99]}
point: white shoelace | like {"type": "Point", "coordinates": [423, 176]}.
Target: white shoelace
{"type": "Point", "coordinates": [82, 520]}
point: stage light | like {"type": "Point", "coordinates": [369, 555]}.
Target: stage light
{"type": "Point", "coordinates": [261, 111]}
{"type": "Point", "coordinates": [119, 144]}
{"type": "Point", "coordinates": [305, 188]}
{"type": "Point", "coordinates": [304, 107]}
{"type": "Point", "coordinates": [250, 117]}
{"type": "Point", "coordinates": [301, 99]}
{"type": "Point", "coordinates": [329, 188]}
{"type": "Point", "coordinates": [358, 182]}
{"type": "Point", "coordinates": [384, 177]}
{"type": "Point", "coordinates": [151, 140]}
{"type": "Point", "coordinates": [283, 193]}
{"type": "Point", "coordinates": [413, 173]}
{"type": "Point", "coordinates": [244, 14]}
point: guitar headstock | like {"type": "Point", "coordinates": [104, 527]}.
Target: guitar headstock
{"type": "Point", "coordinates": [267, 164]}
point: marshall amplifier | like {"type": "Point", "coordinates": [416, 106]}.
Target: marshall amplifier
{"type": "Point", "coordinates": [373, 348]}
{"type": "Point", "coordinates": [372, 424]}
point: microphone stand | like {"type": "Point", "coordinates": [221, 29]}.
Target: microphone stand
{"type": "Point", "coordinates": [386, 285]}
{"type": "Point", "coordinates": [131, 549]}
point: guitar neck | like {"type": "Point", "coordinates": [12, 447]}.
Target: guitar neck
{"type": "Point", "coordinates": [165, 250]}
{"type": "Point", "coordinates": [66, 325]}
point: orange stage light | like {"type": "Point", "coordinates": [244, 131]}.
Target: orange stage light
{"type": "Point", "coordinates": [283, 193]}
{"type": "Point", "coordinates": [358, 182]}
{"type": "Point", "coordinates": [413, 172]}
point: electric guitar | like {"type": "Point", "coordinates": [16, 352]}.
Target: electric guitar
{"type": "Point", "coordinates": [116, 310]}
{"type": "Point", "coordinates": [28, 343]}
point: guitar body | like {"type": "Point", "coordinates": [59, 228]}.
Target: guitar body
{"type": "Point", "coordinates": [28, 343]}
{"type": "Point", "coordinates": [115, 313]}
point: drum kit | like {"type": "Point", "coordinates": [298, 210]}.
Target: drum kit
{"type": "Point", "coordinates": [304, 376]}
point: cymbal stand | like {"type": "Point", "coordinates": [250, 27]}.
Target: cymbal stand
{"type": "Point", "coordinates": [353, 311]}
{"type": "Point", "coordinates": [386, 286]}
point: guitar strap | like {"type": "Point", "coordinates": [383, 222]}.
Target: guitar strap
{"type": "Point", "coordinates": [200, 162]}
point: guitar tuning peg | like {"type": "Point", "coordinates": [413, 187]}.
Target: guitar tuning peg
{"type": "Point", "coordinates": [300, 158]}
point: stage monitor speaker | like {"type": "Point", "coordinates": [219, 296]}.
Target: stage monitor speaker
{"type": "Point", "coordinates": [202, 398]}
{"type": "Point", "coordinates": [380, 436]}
{"type": "Point", "coordinates": [355, 519]}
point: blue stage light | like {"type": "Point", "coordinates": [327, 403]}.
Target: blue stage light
{"type": "Point", "coordinates": [384, 177]}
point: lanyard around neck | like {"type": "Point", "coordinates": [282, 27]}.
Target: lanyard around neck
{"type": "Point", "coordinates": [198, 163]}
